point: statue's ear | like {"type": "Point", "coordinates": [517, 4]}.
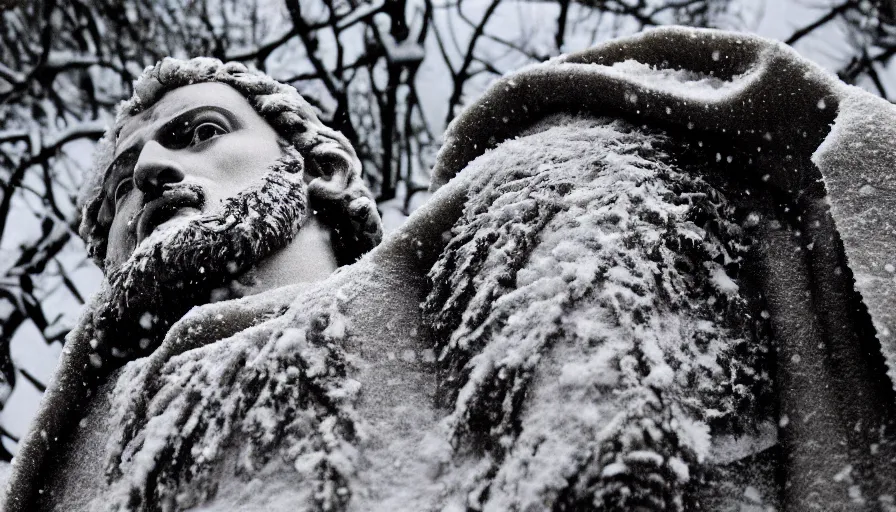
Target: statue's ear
{"type": "Point", "coordinates": [341, 199]}
{"type": "Point", "coordinates": [332, 165]}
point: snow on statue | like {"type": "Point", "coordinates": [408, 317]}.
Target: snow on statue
{"type": "Point", "coordinates": [656, 275]}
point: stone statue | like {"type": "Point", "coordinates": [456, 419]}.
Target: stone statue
{"type": "Point", "coordinates": [655, 275]}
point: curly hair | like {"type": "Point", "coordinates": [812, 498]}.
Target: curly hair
{"type": "Point", "coordinates": [349, 211]}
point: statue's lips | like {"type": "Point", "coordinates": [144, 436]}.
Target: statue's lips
{"type": "Point", "coordinates": [160, 210]}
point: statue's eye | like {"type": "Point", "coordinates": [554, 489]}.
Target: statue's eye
{"type": "Point", "coordinates": [122, 190]}
{"type": "Point", "coordinates": [206, 131]}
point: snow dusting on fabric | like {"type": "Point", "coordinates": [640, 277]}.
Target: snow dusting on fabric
{"type": "Point", "coordinates": [634, 288]}
{"type": "Point", "coordinates": [581, 320]}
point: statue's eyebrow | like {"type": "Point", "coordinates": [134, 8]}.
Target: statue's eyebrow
{"type": "Point", "coordinates": [130, 155]}
{"type": "Point", "coordinates": [128, 158]}
{"type": "Point", "coordinates": [177, 124]}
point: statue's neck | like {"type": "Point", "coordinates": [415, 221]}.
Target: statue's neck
{"type": "Point", "coordinates": [308, 258]}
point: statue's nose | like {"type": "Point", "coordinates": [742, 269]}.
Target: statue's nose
{"type": "Point", "coordinates": [156, 167]}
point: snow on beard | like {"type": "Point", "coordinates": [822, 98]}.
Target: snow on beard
{"type": "Point", "coordinates": [195, 262]}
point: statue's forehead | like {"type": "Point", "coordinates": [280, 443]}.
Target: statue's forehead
{"type": "Point", "coordinates": [177, 101]}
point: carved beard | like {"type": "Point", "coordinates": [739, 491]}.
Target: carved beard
{"type": "Point", "coordinates": [179, 267]}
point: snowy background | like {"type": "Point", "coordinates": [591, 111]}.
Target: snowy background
{"type": "Point", "coordinates": [389, 74]}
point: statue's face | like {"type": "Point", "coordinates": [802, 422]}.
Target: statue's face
{"type": "Point", "coordinates": [199, 193]}
{"type": "Point", "coordinates": [205, 135]}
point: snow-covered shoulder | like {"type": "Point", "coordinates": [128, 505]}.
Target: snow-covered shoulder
{"type": "Point", "coordinates": [674, 76]}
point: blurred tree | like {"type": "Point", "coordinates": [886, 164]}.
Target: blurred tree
{"type": "Point", "coordinates": [389, 74]}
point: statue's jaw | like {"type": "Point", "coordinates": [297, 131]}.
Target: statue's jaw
{"type": "Point", "coordinates": [189, 257]}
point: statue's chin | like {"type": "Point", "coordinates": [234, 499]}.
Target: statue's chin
{"type": "Point", "coordinates": [194, 258]}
